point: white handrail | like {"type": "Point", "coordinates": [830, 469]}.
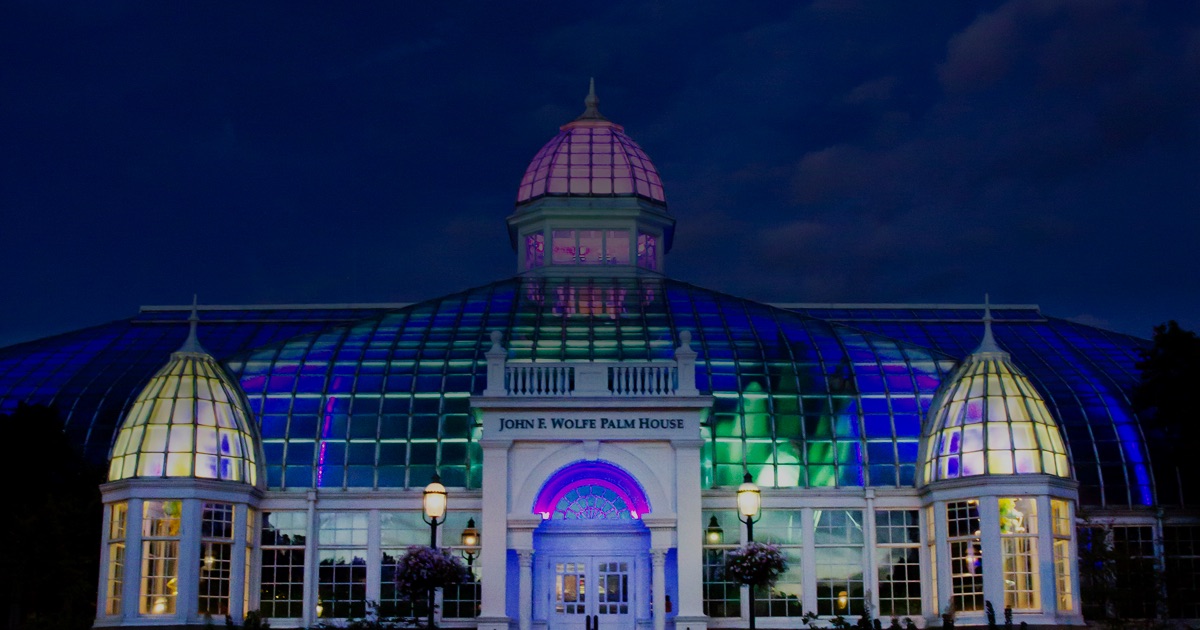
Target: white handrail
{"type": "Point", "coordinates": [607, 378]}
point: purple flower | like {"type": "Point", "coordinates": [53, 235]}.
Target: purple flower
{"type": "Point", "coordinates": [755, 564]}
{"type": "Point", "coordinates": [424, 569]}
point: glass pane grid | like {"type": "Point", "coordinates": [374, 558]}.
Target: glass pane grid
{"type": "Point", "coordinates": [1082, 373]}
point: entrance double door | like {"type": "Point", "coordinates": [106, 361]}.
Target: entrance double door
{"type": "Point", "coordinates": [591, 589]}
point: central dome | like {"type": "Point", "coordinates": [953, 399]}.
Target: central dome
{"type": "Point", "coordinates": [591, 157]}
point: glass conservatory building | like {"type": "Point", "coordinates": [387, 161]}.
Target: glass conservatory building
{"type": "Point", "coordinates": [592, 420]}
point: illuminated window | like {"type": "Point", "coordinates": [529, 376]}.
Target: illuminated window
{"type": "Point", "coordinates": [535, 250]}
{"type": "Point", "coordinates": [898, 552]}
{"type": "Point", "coordinates": [591, 247]}
{"type": "Point", "coordinates": [116, 557]}
{"type": "Point", "coordinates": [838, 536]}
{"type": "Point", "coordinates": [594, 158]}
{"type": "Point", "coordinates": [564, 247]}
{"type": "Point", "coordinates": [990, 419]}
{"type": "Point", "coordinates": [591, 502]}
{"type": "Point", "coordinates": [216, 558]}
{"type": "Point", "coordinates": [342, 568]}
{"type": "Point", "coordinates": [647, 252]}
{"type": "Point", "coordinates": [722, 598]}
{"type": "Point", "coordinates": [1018, 548]}
{"type": "Point", "coordinates": [1060, 520]}
{"type": "Point", "coordinates": [781, 528]}
{"type": "Point", "coordinates": [160, 556]}
{"type": "Point", "coordinates": [282, 583]}
{"type": "Point", "coordinates": [616, 247]}
{"type": "Point", "coordinates": [587, 247]}
{"type": "Point", "coordinates": [966, 555]}
{"type": "Point", "coordinates": [189, 421]}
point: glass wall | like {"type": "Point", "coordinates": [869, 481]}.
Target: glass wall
{"type": "Point", "coordinates": [160, 556]}
{"type": "Point", "coordinates": [1060, 522]}
{"type": "Point", "coordinates": [118, 514]}
{"type": "Point", "coordinates": [782, 528]}
{"type": "Point", "coordinates": [838, 535]}
{"type": "Point", "coordinates": [1136, 569]}
{"type": "Point", "coordinates": [397, 532]}
{"type": "Point", "coordinates": [898, 558]}
{"type": "Point", "coordinates": [342, 564]}
{"type": "Point", "coordinates": [1018, 550]}
{"type": "Point", "coordinates": [966, 555]}
{"type": "Point", "coordinates": [1181, 545]}
{"type": "Point", "coordinates": [722, 598]}
{"type": "Point", "coordinates": [216, 558]}
{"type": "Point", "coordinates": [281, 592]}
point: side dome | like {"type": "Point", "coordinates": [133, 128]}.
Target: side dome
{"type": "Point", "coordinates": [989, 419]}
{"type": "Point", "coordinates": [591, 157]}
{"type": "Point", "coordinates": [190, 421]}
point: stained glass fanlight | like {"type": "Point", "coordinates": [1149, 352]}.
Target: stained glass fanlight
{"type": "Point", "coordinates": [190, 421]}
{"type": "Point", "coordinates": [989, 419]}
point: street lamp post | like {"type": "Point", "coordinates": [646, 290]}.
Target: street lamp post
{"type": "Point", "coordinates": [749, 501]}
{"type": "Point", "coordinates": [470, 544]}
{"type": "Point", "coordinates": [714, 535]}
{"type": "Point", "coordinates": [433, 500]}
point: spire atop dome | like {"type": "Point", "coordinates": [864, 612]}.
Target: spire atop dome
{"type": "Point", "coordinates": [192, 343]}
{"type": "Point", "coordinates": [592, 104]}
{"type": "Point", "coordinates": [988, 343]}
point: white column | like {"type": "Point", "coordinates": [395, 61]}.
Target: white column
{"type": "Point", "coordinates": [132, 588]}
{"type": "Point", "coordinates": [493, 552]}
{"type": "Point", "coordinates": [928, 601]}
{"type": "Point", "coordinates": [993, 558]}
{"type": "Point", "coordinates": [1073, 563]}
{"type": "Point", "coordinates": [374, 557]}
{"type": "Point", "coordinates": [808, 560]}
{"type": "Point", "coordinates": [689, 528]}
{"type": "Point", "coordinates": [525, 588]}
{"type": "Point", "coordinates": [658, 587]}
{"type": "Point", "coordinates": [238, 577]}
{"type": "Point", "coordinates": [1047, 583]}
{"type": "Point", "coordinates": [944, 589]}
{"type": "Point", "coordinates": [871, 579]}
{"type": "Point", "coordinates": [310, 562]}
{"type": "Point", "coordinates": [102, 590]}
{"type": "Point", "coordinates": [187, 604]}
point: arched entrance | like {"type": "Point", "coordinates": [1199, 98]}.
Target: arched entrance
{"type": "Point", "coordinates": [592, 549]}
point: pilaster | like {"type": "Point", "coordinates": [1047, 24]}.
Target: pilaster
{"type": "Point", "coordinates": [658, 560]}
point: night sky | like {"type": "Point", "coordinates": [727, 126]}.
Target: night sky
{"type": "Point", "coordinates": [1044, 151]}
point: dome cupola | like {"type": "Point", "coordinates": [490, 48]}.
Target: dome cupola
{"type": "Point", "coordinates": [591, 157]}
{"type": "Point", "coordinates": [591, 202]}
{"type": "Point", "coordinates": [190, 421]}
{"type": "Point", "coordinates": [989, 419]}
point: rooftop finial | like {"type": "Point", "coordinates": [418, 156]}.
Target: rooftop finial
{"type": "Point", "coordinates": [592, 102]}
{"type": "Point", "coordinates": [192, 344]}
{"type": "Point", "coordinates": [988, 344]}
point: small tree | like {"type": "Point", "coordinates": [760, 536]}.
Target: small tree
{"type": "Point", "coordinates": [1164, 396]}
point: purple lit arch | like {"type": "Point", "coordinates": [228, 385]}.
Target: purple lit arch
{"type": "Point", "coordinates": [591, 473]}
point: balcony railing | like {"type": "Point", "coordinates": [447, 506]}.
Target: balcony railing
{"type": "Point", "coordinates": [612, 378]}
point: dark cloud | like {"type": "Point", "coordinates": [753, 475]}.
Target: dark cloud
{"type": "Point", "coordinates": [833, 151]}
